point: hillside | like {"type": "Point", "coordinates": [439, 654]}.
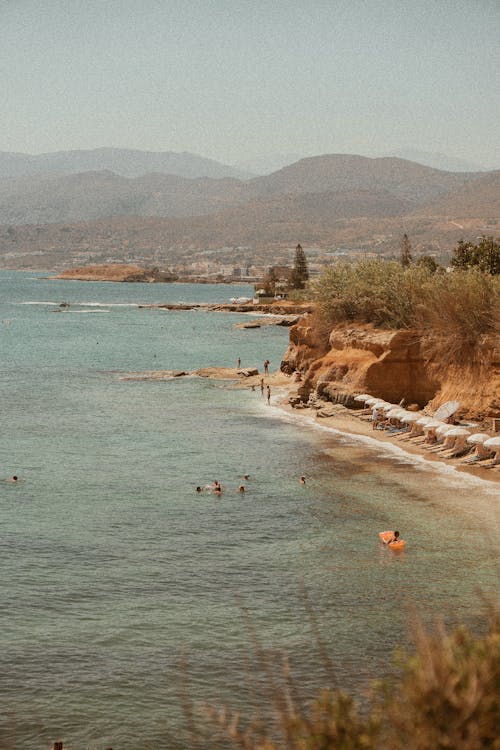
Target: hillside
{"type": "Point", "coordinates": [94, 195]}
{"type": "Point", "coordinates": [124, 162]}
{"type": "Point", "coordinates": [91, 195]}
{"type": "Point", "coordinates": [342, 172]}
{"type": "Point", "coordinates": [51, 221]}
{"type": "Point", "coordinates": [479, 197]}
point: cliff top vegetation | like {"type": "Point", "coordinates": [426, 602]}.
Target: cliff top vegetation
{"type": "Point", "coordinates": [456, 308]}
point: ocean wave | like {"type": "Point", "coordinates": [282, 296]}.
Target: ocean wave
{"type": "Point", "coordinates": [79, 304]}
{"type": "Point", "coordinates": [106, 304]}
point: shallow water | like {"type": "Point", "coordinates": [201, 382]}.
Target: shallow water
{"type": "Point", "coordinates": [113, 567]}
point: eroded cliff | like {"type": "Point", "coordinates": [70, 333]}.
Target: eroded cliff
{"type": "Point", "coordinates": [392, 365]}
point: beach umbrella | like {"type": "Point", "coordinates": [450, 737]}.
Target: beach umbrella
{"type": "Point", "coordinates": [388, 407]}
{"type": "Point", "coordinates": [410, 417]}
{"type": "Point", "coordinates": [447, 409]}
{"type": "Point", "coordinates": [396, 413]}
{"type": "Point", "coordinates": [433, 425]}
{"type": "Point", "coordinates": [425, 421]}
{"type": "Point", "coordinates": [493, 443]}
{"type": "Point", "coordinates": [443, 429]}
{"type": "Point", "coordinates": [457, 432]}
{"type": "Point", "coordinates": [478, 438]}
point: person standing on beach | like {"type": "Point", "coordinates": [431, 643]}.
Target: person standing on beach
{"type": "Point", "coordinates": [262, 386]}
{"type": "Point", "coordinates": [266, 367]}
{"type": "Point", "coordinates": [239, 362]}
{"type": "Point", "coordinates": [268, 395]}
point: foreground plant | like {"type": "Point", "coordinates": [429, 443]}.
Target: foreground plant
{"type": "Point", "coordinates": [445, 697]}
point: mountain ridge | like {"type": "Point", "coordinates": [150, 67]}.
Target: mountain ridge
{"type": "Point", "coordinates": [92, 195]}
{"type": "Point", "coordinates": [125, 162]}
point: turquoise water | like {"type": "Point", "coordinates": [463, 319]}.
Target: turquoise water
{"type": "Point", "coordinates": [113, 567]}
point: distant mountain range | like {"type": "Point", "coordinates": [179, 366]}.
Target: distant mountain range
{"type": "Point", "coordinates": [121, 161]}
{"type": "Point", "coordinates": [90, 195]}
{"type": "Point", "coordinates": [336, 198]}
{"type": "Point", "coordinates": [439, 161]}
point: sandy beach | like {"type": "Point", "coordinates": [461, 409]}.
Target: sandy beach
{"type": "Point", "coordinates": [342, 419]}
{"type": "Point", "coordinates": [349, 421]}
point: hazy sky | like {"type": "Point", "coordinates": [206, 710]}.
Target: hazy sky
{"type": "Point", "coordinates": [235, 79]}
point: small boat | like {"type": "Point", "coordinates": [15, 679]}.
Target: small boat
{"type": "Point", "coordinates": [385, 536]}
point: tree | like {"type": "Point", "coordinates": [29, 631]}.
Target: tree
{"type": "Point", "coordinates": [427, 261]}
{"type": "Point", "coordinates": [485, 255]}
{"type": "Point", "coordinates": [300, 272]}
{"type": "Point", "coordinates": [405, 256]}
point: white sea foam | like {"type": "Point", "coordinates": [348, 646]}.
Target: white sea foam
{"type": "Point", "coordinates": [106, 304]}
{"type": "Point", "coordinates": [36, 302]}
{"type": "Point", "coordinates": [395, 452]}
{"type": "Point", "coordinates": [79, 304]}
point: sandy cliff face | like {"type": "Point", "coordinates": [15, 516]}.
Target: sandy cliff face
{"type": "Point", "coordinates": [390, 364]}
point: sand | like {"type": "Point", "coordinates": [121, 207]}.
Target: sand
{"type": "Point", "coordinates": [348, 421]}
{"type": "Point", "coordinates": [343, 420]}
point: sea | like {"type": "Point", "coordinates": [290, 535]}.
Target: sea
{"type": "Point", "coordinates": [127, 598]}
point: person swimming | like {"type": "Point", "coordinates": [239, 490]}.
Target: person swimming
{"type": "Point", "coordinates": [302, 479]}
{"type": "Point", "coordinates": [241, 488]}
{"type": "Point", "coordinates": [395, 538]}
{"type": "Point", "coordinates": [12, 479]}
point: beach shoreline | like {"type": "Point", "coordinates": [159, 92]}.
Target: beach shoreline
{"type": "Point", "coordinates": [345, 421]}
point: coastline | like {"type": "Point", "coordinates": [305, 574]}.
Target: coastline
{"type": "Point", "coordinates": [345, 421]}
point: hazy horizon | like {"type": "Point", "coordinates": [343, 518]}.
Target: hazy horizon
{"type": "Point", "coordinates": [236, 82]}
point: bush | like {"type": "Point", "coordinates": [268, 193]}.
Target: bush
{"type": "Point", "coordinates": [371, 291]}
{"type": "Point", "coordinates": [485, 255]}
{"type": "Point", "coordinates": [446, 697]}
{"type": "Point", "coordinates": [456, 309]}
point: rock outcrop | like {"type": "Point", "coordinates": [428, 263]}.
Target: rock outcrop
{"type": "Point", "coordinates": [116, 272]}
{"type": "Point", "coordinates": [389, 364]}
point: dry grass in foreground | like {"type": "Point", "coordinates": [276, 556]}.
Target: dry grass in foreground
{"type": "Point", "coordinates": [446, 697]}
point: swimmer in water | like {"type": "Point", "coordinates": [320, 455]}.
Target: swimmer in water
{"type": "Point", "coordinates": [198, 489]}
{"type": "Point", "coordinates": [395, 538]}
{"type": "Point", "coordinates": [13, 479]}
{"type": "Point", "coordinates": [246, 477]}
{"type": "Point", "coordinates": [241, 488]}
{"type": "Point", "coordinates": [302, 479]}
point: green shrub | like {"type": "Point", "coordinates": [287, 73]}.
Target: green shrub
{"type": "Point", "coordinates": [455, 309]}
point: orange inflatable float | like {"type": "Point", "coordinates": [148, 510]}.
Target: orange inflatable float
{"type": "Point", "coordinates": [385, 536]}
